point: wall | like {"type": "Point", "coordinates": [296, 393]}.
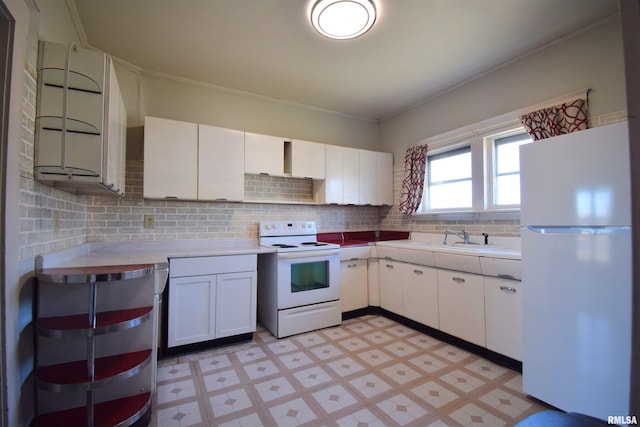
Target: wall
{"type": "Point", "coordinates": [592, 59]}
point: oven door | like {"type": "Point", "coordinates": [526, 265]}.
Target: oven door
{"type": "Point", "coordinates": [308, 277]}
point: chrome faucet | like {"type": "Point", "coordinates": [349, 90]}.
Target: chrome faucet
{"type": "Point", "coordinates": [461, 234]}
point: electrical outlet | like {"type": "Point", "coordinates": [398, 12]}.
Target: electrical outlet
{"type": "Point", "coordinates": [149, 221]}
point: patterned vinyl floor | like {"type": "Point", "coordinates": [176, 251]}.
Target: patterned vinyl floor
{"type": "Point", "coordinates": [370, 371]}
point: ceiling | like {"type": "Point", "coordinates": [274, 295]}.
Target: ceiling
{"type": "Point", "coordinates": [416, 49]}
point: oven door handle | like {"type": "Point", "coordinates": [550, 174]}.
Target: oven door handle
{"type": "Point", "coordinates": [309, 254]}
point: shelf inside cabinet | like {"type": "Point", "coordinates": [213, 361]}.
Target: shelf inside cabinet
{"type": "Point", "coordinates": [73, 376]}
{"type": "Point", "coordinates": [77, 81]}
{"type": "Point", "coordinates": [55, 123]}
{"type": "Point", "coordinates": [119, 412]}
{"type": "Point", "coordinates": [106, 322]}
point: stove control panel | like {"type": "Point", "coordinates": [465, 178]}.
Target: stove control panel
{"type": "Point", "coordinates": [287, 228]}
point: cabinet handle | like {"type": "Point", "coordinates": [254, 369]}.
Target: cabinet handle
{"type": "Point", "coordinates": [170, 197]}
{"type": "Point", "coordinates": [390, 267]}
{"type": "Point", "coordinates": [506, 276]}
{"type": "Point", "coordinates": [221, 199]}
{"type": "Point", "coordinates": [352, 265]}
{"type": "Point", "coordinates": [508, 289]}
{"type": "Point", "coordinates": [418, 272]}
{"type": "Point", "coordinates": [458, 279]}
{"type": "Point", "coordinates": [264, 173]}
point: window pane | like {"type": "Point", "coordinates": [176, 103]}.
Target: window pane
{"type": "Point", "coordinates": [506, 172]}
{"type": "Point", "coordinates": [508, 153]}
{"type": "Point", "coordinates": [452, 195]}
{"type": "Point", "coordinates": [508, 190]}
{"type": "Point", "coordinates": [450, 167]}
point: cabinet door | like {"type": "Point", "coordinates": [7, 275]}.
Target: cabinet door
{"type": "Point", "coordinates": [220, 164]}
{"type": "Point", "coordinates": [461, 305]}
{"type": "Point", "coordinates": [236, 296]}
{"type": "Point", "coordinates": [307, 159]}
{"type": "Point", "coordinates": [170, 159]}
{"type": "Point", "coordinates": [350, 176]}
{"type": "Point", "coordinates": [368, 177]}
{"type": "Point", "coordinates": [331, 187]}
{"type": "Point", "coordinates": [391, 297]}
{"type": "Point", "coordinates": [263, 154]}
{"type": "Point", "coordinates": [353, 285]}
{"type": "Point", "coordinates": [503, 308]}
{"type": "Point", "coordinates": [192, 303]}
{"type": "Point", "coordinates": [115, 137]}
{"type": "Point", "coordinates": [420, 291]}
{"type": "Point", "coordinates": [384, 176]}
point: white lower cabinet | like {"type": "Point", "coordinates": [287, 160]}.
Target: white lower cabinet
{"type": "Point", "coordinates": [354, 284]}
{"type": "Point", "coordinates": [461, 305]}
{"type": "Point", "coordinates": [503, 301]}
{"type": "Point", "coordinates": [235, 304]}
{"type": "Point", "coordinates": [420, 294]}
{"type": "Point", "coordinates": [391, 295]}
{"type": "Point", "coordinates": [192, 302]}
{"type": "Point", "coordinates": [211, 297]}
{"type": "Point", "coordinates": [483, 310]}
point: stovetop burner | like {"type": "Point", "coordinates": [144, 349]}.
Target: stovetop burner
{"type": "Point", "coordinates": [294, 236]}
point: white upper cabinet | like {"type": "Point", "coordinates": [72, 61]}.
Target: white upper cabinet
{"type": "Point", "coordinates": [384, 179]}
{"type": "Point", "coordinates": [220, 163]}
{"type": "Point", "coordinates": [368, 177]}
{"type": "Point", "coordinates": [307, 159]}
{"type": "Point", "coordinates": [170, 159]}
{"type": "Point", "coordinates": [330, 190]}
{"type": "Point", "coordinates": [350, 176]}
{"type": "Point", "coordinates": [264, 154]}
{"type": "Point", "coordinates": [80, 124]}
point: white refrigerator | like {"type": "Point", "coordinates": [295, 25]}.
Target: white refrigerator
{"type": "Point", "coordinates": [576, 270]}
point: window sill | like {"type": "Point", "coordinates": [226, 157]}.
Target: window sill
{"type": "Point", "coordinates": [506, 214]}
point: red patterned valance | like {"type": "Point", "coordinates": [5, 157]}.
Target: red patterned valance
{"type": "Point", "coordinates": [557, 120]}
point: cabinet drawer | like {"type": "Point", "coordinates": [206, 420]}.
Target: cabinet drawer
{"type": "Point", "coordinates": [456, 262]}
{"type": "Point", "coordinates": [419, 257]}
{"type": "Point", "coordinates": [498, 267]}
{"type": "Point", "coordinates": [387, 252]}
{"type": "Point", "coordinates": [198, 266]}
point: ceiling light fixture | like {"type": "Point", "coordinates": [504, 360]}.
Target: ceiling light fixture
{"type": "Point", "coordinates": [343, 19]}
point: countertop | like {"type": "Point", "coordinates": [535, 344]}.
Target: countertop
{"type": "Point", "coordinates": [361, 238]}
{"type": "Point", "coordinates": [147, 252]}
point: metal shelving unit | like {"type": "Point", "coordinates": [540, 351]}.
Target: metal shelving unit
{"type": "Point", "coordinates": [92, 345]}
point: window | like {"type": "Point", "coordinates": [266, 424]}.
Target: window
{"type": "Point", "coordinates": [506, 168]}
{"type": "Point", "coordinates": [481, 176]}
{"type": "Point", "coordinates": [449, 180]}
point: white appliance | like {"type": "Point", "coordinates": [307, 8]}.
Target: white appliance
{"type": "Point", "coordinates": [299, 284]}
{"type": "Point", "coordinates": [576, 270]}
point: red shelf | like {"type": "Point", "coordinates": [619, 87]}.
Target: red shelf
{"type": "Point", "coordinates": [106, 368]}
{"type": "Point", "coordinates": [106, 321]}
{"type": "Point", "coordinates": [107, 414]}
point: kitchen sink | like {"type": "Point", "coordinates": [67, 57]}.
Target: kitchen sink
{"type": "Point", "coordinates": [457, 245]}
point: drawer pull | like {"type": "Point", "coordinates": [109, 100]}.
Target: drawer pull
{"type": "Point", "coordinates": [506, 276]}
{"type": "Point", "coordinates": [418, 272]}
{"type": "Point", "coordinates": [352, 265]}
{"type": "Point", "coordinates": [508, 289]}
{"type": "Point", "coordinates": [390, 267]}
{"type": "Point", "coordinates": [458, 279]}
